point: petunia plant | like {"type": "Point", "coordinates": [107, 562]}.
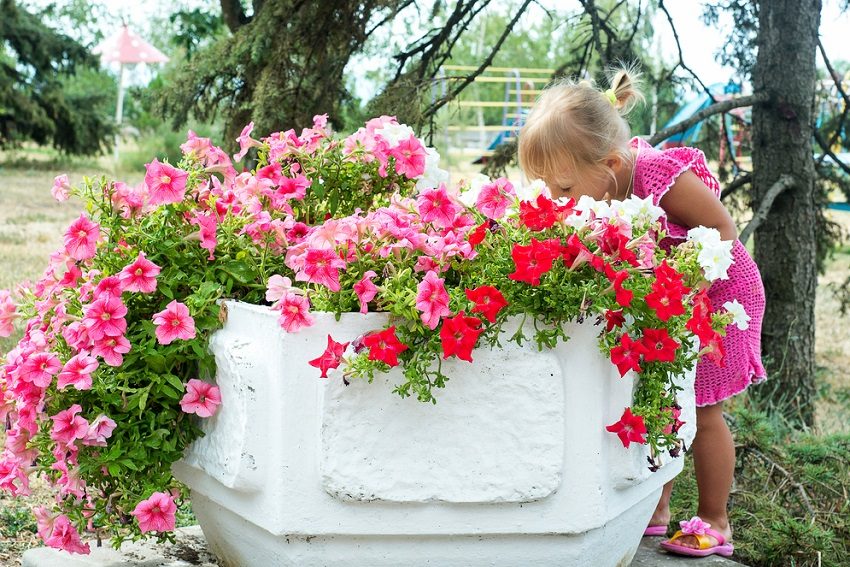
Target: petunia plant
{"type": "Point", "coordinates": [105, 388]}
{"type": "Point", "coordinates": [452, 267]}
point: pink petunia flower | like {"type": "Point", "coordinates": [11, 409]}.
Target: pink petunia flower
{"type": "Point", "coordinates": [174, 322]}
{"type": "Point", "coordinates": [202, 398]}
{"type": "Point", "coordinates": [494, 198]}
{"type": "Point", "coordinates": [39, 368]}
{"type": "Point", "coordinates": [109, 286]}
{"type": "Point", "coordinates": [7, 313]}
{"type": "Point", "coordinates": [105, 317]}
{"type": "Point", "coordinates": [366, 290]}
{"type": "Point", "coordinates": [140, 275]}
{"type": "Point", "coordinates": [156, 514]}
{"type": "Point", "coordinates": [409, 157]}
{"type": "Point", "coordinates": [68, 426]}
{"type": "Point", "coordinates": [432, 300]}
{"type": "Point", "coordinates": [277, 287]}
{"type": "Point", "coordinates": [246, 142]}
{"type": "Point", "coordinates": [99, 431]}
{"type": "Point", "coordinates": [321, 266]}
{"type": "Point", "coordinates": [207, 226]}
{"type": "Point", "coordinates": [61, 188]}
{"type": "Point", "coordinates": [437, 207]}
{"type": "Point", "coordinates": [81, 238]}
{"type": "Point", "coordinates": [294, 312]}
{"type": "Point", "coordinates": [112, 349]}
{"type": "Point", "coordinates": [64, 536]}
{"type": "Point", "coordinates": [166, 184]}
{"type": "Point", "coordinates": [78, 371]}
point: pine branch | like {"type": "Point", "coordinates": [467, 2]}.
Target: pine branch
{"type": "Point", "coordinates": [827, 151]}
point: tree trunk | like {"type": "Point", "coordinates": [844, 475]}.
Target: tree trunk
{"type": "Point", "coordinates": [785, 242]}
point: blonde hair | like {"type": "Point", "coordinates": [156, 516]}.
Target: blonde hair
{"type": "Point", "coordinates": [575, 127]}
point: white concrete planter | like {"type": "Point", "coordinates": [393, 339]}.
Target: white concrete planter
{"type": "Point", "coordinates": [512, 466]}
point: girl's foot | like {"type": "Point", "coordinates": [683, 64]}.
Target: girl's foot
{"type": "Point", "coordinates": [719, 526]}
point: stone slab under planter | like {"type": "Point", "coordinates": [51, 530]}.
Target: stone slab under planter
{"type": "Point", "coordinates": [511, 466]}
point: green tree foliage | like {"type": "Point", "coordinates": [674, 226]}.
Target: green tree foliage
{"type": "Point", "coordinates": [279, 67]}
{"type": "Point", "coordinates": [41, 99]}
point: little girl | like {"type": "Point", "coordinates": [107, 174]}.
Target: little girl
{"type": "Point", "coordinates": [577, 141]}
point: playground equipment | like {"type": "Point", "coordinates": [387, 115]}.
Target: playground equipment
{"type": "Point", "coordinates": [521, 87]}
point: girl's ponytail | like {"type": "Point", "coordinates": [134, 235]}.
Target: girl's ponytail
{"type": "Point", "coordinates": [625, 89]}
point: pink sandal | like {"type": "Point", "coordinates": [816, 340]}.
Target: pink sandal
{"type": "Point", "coordinates": [700, 530]}
{"type": "Point", "coordinates": [655, 531]}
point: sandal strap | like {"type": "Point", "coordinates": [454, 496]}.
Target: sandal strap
{"type": "Point", "coordinates": [702, 540]}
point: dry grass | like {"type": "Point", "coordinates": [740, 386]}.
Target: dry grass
{"type": "Point", "coordinates": [31, 227]}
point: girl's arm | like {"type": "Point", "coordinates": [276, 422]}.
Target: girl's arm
{"type": "Point", "coordinates": [690, 203]}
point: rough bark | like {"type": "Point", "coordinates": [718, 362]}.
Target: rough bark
{"type": "Point", "coordinates": [785, 244]}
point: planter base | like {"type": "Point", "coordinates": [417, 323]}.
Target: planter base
{"type": "Point", "coordinates": [239, 543]}
{"type": "Point", "coordinates": [513, 465]}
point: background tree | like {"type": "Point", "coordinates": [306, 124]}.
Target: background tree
{"type": "Point", "coordinates": [785, 246]}
{"type": "Point", "coordinates": [280, 65]}
{"type": "Point", "coordinates": [36, 63]}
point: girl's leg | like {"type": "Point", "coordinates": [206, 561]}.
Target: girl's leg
{"type": "Point", "coordinates": [661, 516]}
{"type": "Point", "coordinates": [714, 463]}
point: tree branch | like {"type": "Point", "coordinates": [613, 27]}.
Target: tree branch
{"type": "Point", "coordinates": [715, 108]}
{"type": "Point", "coordinates": [837, 80]}
{"type": "Point", "coordinates": [590, 8]}
{"type": "Point", "coordinates": [830, 153]}
{"type": "Point", "coordinates": [783, 183]}
{"type": "Point", "coordinates": [439, 103]}
{"type": "Point", "coordinates": [736, 184]}
{"type": "Point", "coordinates": [233, 14]}
{"type": "Point", "coordinates": [681, 62]}
{"type": "Point", "coordinates": [807, 502]}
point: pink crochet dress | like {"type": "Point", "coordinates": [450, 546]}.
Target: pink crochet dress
{"type": "Point", "coordinates": [655, 173]}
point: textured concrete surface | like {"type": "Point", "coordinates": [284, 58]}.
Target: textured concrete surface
{"type": "Point", "coordinates": [190, 550]}
{"type": "Point", "coordinates": [650, 555]}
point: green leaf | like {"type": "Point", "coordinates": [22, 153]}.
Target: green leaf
{"type": "Point", "coordinates": [155, 362]}
{"type": "Point", "coordinates": [241, 271]}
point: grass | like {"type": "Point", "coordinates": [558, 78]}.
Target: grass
{"type": "Point", "coordinates": [31, 227]}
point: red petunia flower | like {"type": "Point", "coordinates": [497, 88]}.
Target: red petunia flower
{"type": "Point", "coordinates": [458, 336]}
{"type": "Point", "coordinates": [613, 319]}
{"type": "Point", "coordinates": [384, 346]}
{"type": "Point", "coordinates": [538, 215]}
{"type": "Point", "coordinates": [622, 295]}
{"type": "Point", "coordinates": [626, 355]}
{"type": "Point", "coordinates": [534, 260]}
{"type": "Point", "coordinates": [659, 345]}
{"type": "Point", "coordinates": [666, 300]}
{"type": "Point", "coordinates": [488, 301]}
{"type": "Point", "coordinates": [476, 236]}
{"type": "Point", "coordinates": [330, 358]}
{"type": "Point", "coordinates": [629, 429]}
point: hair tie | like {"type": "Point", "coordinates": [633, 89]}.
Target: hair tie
{"type": "Point", "coordinates": [612, 98]}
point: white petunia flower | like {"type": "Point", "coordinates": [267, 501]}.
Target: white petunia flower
{"type": "Point", "coordinates": [643, 210]}
{"type": "Point", "coordinates": [739, 316]}
{"type": "Point", "coordinates": [469, 195]}
{"type": "Point", "coordinates": [715, 259]}
{"type": "Point", "coordinates": [394, 133]}
{"type": "Point", "coordinates": [705, 236]}
{"type": "Point", "coordinates": [531, 191]}
{"type": "Point", "coordinates": [433, 175]}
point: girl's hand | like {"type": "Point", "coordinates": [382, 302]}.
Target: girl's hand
{"type": "Point", "coordinates": [690, 203]}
